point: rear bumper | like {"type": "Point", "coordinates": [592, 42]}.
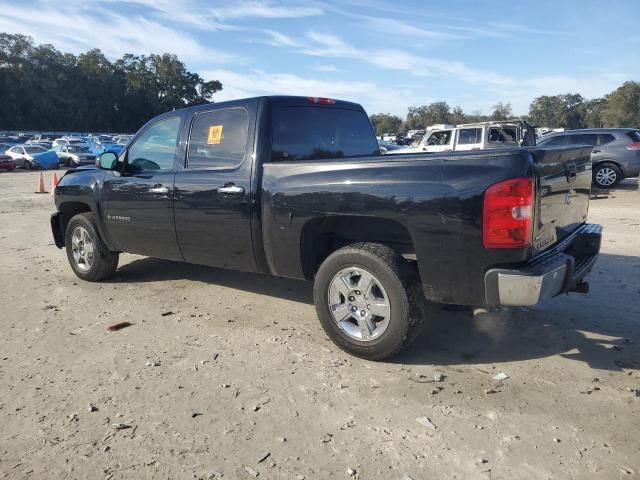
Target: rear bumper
{"type": "Point", "coordinates": [560, 270]}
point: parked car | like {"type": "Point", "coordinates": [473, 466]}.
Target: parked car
{"type": "Point", "coordinates": [615, 155]}
{"type": "Point", "coordinates": [385, 147]}
{"type": "Point", "coordinates": [476, 136]}
{"type": "Point", "coordinates": [7, 163]}
{"type": "Point", "coordinates": [297, 187]}
{"type": "Point", "coordinates": [75, 155]}
{"type": "Point", "coordinates": [68, 141]}
{"type": "Point", "coordinates": [23, 155]}
{"type": "Point", "coordinates": [122, 139]}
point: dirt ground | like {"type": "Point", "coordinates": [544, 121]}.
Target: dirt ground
{"type": "Point", "coordinates": [229, 374]}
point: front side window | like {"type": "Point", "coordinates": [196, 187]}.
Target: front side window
{"type": "Point", "coordinates": [155, 149]}
{"type": "Point", "coordinates": [555, 141]}
{"type": "Point", "coordinates": [311, 133]}
{"type": "Point", "coordinates": [440, 138]}
{"type": "Point", "coordinates": [469, 136]}
{"type": "Point", "coordinates": [218, 139]}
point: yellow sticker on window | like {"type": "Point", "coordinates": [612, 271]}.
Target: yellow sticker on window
{"type": "Point", "coordinates": [215, 135]}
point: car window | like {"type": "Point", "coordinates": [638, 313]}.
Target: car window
{"type": "Point", "coordinates": [507, 135]}
{"type": "Point", "coordinates": [468, 136]}
{"type": "Point", "coordinates": [634, 135]}
{"type": "Point", "coordinates": [218, 139]}
{"type": "Point", "coordinates": [439, 138]}
{"type": "Point", "coordinates": [582, 139]}
{"type": "Point", "coordinates": [555, 141]}
{"type": "Point", "coordinates": [312, 133]}
{"type": "Point", "coordinates": [35, 149]}
{"type": "Point", "coordinates": [155, 149]}
{"type": "Point", "coordinates": [604, 138]}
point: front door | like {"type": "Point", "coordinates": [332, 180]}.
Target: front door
{"type": "Point", "coordinates": [213, 190]}
{"type": "Point", "coordinates": [439, 141]}
{"type": "Point", "coordinates": [138, 200]}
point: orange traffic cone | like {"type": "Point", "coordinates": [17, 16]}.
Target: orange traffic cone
{"type": "Point", "coordinates": [40, 187]}
{"type": "Point", "coordinates": [54, 182]}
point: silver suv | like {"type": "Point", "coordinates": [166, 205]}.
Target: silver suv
{"type": "Point", "coordinates": [615, 155]}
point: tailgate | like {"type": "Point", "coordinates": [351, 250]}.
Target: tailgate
{"type": "Point", "coordinates": [562, 200]}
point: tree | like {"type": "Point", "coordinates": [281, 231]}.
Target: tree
{"type": "Point", "coordinates": [44, 89]}
{"type": "Point", "coordinates": [458, 116]}
{"type": "Point", "coordinates": [385, 123]}
{"type": "Point", "coordinates": [501, 111]}
{"type": "Point", "coordinates": [425, 115]}
{"type": "Point", "coordinates": [567, 111]}
{"type": "Point", "coordinates": [623, 106]}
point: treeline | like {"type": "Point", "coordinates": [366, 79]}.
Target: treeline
{"type": "Point", "coordinates": [620, 108]}
{"type": "Point", "coordinates": [44, 89]}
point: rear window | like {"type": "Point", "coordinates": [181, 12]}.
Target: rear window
{"type": "Point", "coordinates": [634, 135]}
{"type": "Point", "coordinates": [312, 133]}
{"type": "Point", "coordinates": [507, 135]}
{"type": "Point", "coordinates": [583, 139]}
{"type": "Point", "coordinates": [469, 136]}
{"type": "Point", "coordinates": [604, 138]}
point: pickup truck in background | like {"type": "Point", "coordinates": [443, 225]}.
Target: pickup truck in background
{"type": "Point", "coordinates": [474, 136]}
{"type": "Point", "coordinates": [296, 187]}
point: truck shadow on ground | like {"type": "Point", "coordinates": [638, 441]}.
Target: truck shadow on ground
{"type": "Point", "coordinates": [601, 329]}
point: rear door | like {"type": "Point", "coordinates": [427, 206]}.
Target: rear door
{"type": "Point", "coordinates": [469, 139]}
{"type": "Point", "coordinates": [138, 203]}
{"type": "Point", "coordinates": [213, 189]}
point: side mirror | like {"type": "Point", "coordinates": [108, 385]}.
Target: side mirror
{"type": "Point", "coordinates": [107, 161]}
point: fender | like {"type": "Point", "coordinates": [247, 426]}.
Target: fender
{"type": "Point", "coordinates": [82, 186]}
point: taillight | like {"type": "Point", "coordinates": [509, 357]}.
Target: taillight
{"type": "Point", "coordinates": [329, 101]}
{"type": "Point", "coordinates": [633, 146]}
{"type": "Point", "coordinates": [507, 218]}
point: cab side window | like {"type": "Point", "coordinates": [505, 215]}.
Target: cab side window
{"type": "Point", "coordinates": [469, 136]}
{"type": "Point", "coordinates": [555, 141]}
{"type": "Point", "coordinates": [218, 139]}
{"type": "Point", "coordinates": [154, 150]}
{"type": "Point", "coordinates": [440, 138]}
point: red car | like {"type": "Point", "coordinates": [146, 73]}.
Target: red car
{"type": "Point", "coordinates": [7, 163]}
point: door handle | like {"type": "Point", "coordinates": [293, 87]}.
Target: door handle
{"type": "Point", "coordinates": [231, 190]}
{"type": "Point", "coordinates": [159, 189]}
{"type": "Point", "coordinates": [596, 151]}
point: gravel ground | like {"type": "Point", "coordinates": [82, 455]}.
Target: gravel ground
{"type": "Point", "coordinates": [225, 373]}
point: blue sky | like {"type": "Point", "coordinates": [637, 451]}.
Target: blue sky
{"type": "Point", "coordinates": [386, 55]}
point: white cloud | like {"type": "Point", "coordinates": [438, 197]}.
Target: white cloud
{"type": "Point", "coordinates": [278, 39]}
{"type": "Point", "coordinates": [256, 83]}
{"type": "Point", "coordinates": [326, 68]}
{"type": "Point", "coordinates": [397, 27]}
{"type": "Point", "coordinates": [76, 30]}
{"type": "Point", "coordinates": [258, 9]}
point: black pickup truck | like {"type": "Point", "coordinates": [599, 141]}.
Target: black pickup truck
{"type": "Point", "coordinates": [296, 187]}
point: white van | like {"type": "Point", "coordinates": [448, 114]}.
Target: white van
{"type": "Point", "coordinates": [475, 136]}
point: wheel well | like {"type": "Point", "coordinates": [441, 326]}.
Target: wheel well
{"type": "Point", "coordinates": [323, 236]}
{"type": "Point", "coordinates": [70, 210]}
{"type": "Point", "coordinates": [609, 162]}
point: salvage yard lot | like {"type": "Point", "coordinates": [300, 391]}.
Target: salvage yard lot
{"type": "Point", "coordinates": [229, 373]}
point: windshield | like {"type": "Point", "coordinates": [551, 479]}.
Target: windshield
{"type": "Point", "coordinates": [34, 149]}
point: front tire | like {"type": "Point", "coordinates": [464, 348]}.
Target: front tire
{"type": "Point", "coordinates": [606, 175]}
{"type": "Point", "coordinates": [369, 300]}
{"type": "Point", "coordinates": [88, 255]}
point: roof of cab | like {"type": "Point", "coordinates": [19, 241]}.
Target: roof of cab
{"type": "Point", "coordinates": [283, 100]}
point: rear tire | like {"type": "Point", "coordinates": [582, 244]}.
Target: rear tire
{"type": "Point", "coordinates": [88, 255]}
{"type": "Point", "coordinates": [606, 175]}
{"type": "Point", "coordinates": [369, 300]}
